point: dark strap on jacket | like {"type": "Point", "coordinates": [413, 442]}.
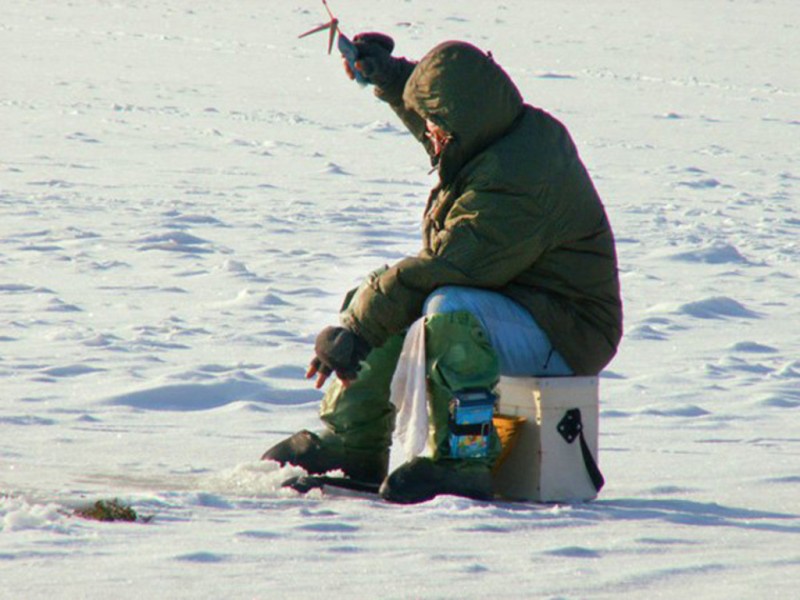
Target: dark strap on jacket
{"type": "Point", "coordinates": [472, 429]}
{"type": "Point", "coordinates": [571, 427]}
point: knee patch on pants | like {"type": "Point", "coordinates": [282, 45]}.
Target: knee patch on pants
{"type": "Point", "coordinates": [458, 352]}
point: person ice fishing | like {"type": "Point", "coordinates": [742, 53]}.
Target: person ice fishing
{"type": "Point", "coordinates": [517, 276]}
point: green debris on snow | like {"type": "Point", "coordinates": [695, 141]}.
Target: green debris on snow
{"type": "Point", "coordinates": [110, 510]}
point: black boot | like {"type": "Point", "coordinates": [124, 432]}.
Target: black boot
{"type": "Point", "coordinates": [319, 455]}
{"type": "Point", "coordinates": [423, 478]}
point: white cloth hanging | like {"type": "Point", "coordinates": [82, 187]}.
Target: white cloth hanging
{"type": "Point", "coordinates": [409, 394]}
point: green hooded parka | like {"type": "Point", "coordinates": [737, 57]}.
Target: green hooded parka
{"type": "Point", "coordinates": [515, 211]}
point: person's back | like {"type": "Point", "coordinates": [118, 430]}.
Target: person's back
{"type": "Point", "coordinates": [572, 287]}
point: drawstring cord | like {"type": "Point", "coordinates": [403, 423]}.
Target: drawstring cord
{"type": "Point", "coordinates": [549, 356]}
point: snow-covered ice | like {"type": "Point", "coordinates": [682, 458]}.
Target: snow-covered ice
{"type": "Point", "coordinates": [187, 190]}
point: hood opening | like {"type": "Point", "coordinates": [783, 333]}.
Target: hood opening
{"type": "Point", "coordinates": [462, 90]}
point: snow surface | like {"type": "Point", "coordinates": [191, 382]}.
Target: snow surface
{"type": "Point", "coordinates": [187, 190]}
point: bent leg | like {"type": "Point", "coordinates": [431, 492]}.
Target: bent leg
{"type": "Point", "coordinates": [459, 357]}
{"type": "Point", "coordinates": [359, 422]}
{"type": "Point", "coordinates": [523, 348]}
{"type": "Point", "coordinates": [361, 415]}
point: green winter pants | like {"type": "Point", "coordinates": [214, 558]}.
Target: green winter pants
{"type": "Point", "coordinates": [458, 355]}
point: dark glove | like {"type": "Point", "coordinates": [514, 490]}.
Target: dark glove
{"type": "Point", "coordinates": [339, 350]}
{"type": "Point", "coordinates": [378, 66]}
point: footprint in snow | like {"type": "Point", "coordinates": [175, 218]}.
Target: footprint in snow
{"type": "Point", "coordinates": [574, 552]}
{"type": "Point", "coordinates": [700, 184]}
{"type": "Point", "coordinates": [753, 347]}
{"type": "Point", "coordinates": [716, 254]}
{"type": "Point", "coordinates": [207, 396]}
{"type": "Point", "coordinates": [688, 410]}
{"type": "Point", "coordinates": [334, 169]}
{"type": "Point", "coordinates": [15, 288]}
{"type": "Point", "coordinates": [718, 307]}
{"type": "Point", "coordinates": [58, 305]}
{"type": "Point", "coordinates": [175, 241]}
{"type": "Point", "coordinates": [202, 557]}
{"type": "Point", "coordinates": [328, 528]}
{"type": "Point", "coordinates": [70, 371]}
{"type": "Point", "coordinates": [645, 332]}
{"type": "Point", "coordinates": [178, 221]}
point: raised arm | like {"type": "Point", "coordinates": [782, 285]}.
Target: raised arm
{"type": "Point", "coordinates": [389, 75]}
